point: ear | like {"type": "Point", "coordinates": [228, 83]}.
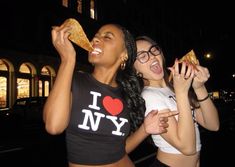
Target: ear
{"type": "Point", "coordinates": [124, 57]}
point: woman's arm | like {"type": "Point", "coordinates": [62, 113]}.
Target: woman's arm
{"type": "Point", "coordinates": [207, 114]}
{"type": "Point", "coordinates": [135, 139]}
{"type": "Point", "coordinates": [181, 133]}
{"type": "Point", "coordinates": [57, 107]}
{"type": "Point", "coordinates": [154, 123]}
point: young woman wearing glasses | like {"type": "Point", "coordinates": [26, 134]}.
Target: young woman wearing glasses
{"type": "Point", "coordinates": [180, 146]}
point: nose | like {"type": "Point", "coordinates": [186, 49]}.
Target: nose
{"type": "Point", "coordinates": [95, 40]}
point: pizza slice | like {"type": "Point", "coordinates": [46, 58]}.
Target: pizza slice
{"type": "Point", "coordinates": [191, 58]}
{"type": "Point", "coordinates": [78, 35]}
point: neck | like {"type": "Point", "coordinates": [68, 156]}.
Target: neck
{"type": "Point", "coordinates": [105, 76]}
{"type": "Point", "coordinates": [159, 83]}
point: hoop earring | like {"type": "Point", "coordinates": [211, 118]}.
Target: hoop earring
{"type": "Point", "coordinates": [123, 65]}
{"type": "Point", "coordinates": [139, 74]}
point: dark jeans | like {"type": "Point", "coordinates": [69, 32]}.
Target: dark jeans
{"type": "Point", "coordinates": [158, 163]}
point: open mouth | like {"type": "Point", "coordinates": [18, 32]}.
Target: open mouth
{"type": "Point", "coordinates": [96, 51]}
{"type": "Point", "coordinates": [155, 67]}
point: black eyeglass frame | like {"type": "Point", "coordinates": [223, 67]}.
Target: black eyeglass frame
{"type": "Point", "coordinates": [145, 59]}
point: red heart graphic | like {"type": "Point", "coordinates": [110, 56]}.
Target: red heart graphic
{"type": "Point", "coordinates": [113, 106]}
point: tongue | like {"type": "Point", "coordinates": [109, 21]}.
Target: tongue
{"type": "Point", "coordinates": [156, 69]}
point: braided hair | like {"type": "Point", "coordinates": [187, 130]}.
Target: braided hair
{"type": "Point", "coordinates": [131, 84]}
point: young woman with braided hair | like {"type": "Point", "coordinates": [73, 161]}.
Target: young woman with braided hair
{"type": "Point", "coordinates": [97, 110]}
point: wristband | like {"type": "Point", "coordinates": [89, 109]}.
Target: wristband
{"type": "Point", "coordinates": [201, 100]}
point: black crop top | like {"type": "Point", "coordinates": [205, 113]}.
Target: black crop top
{"type": "Point", "coordinates": [99, 122]}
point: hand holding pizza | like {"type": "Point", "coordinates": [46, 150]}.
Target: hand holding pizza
{"type": "Point", "coordinates": [189, 58]}
{"type": "Point", "coordinates": [201, 76]}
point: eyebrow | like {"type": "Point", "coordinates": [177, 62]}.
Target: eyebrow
{"type": "Point", "coordinates": [141, 51]}
{"type": "Point", "coordinates": [145, 50]}
{"type": "Point", "coordinates": [151, 47]}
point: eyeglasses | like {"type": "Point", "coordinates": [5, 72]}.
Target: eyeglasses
{"type": "Point", "coordinates": [143, 56]}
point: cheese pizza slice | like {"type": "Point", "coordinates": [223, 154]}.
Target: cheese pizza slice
{"type": "Point", "coordinates": [78, 35]}
{"type": "Point", "coordinates": [191, 58]}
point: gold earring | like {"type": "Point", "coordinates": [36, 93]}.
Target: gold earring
{"type": "Point", "coordinates": [123, 65]}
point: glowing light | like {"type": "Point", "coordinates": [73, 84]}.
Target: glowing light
{"type": "Point", "coordinates": [208, 55]}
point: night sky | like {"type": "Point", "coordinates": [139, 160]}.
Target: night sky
{"type": "Point", "coordinates": [179, 26]}
{"type": "Point", "coordinates": [176, 25]}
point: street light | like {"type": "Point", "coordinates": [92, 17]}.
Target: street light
{"type": "Point", "coordinates": [208, 56]}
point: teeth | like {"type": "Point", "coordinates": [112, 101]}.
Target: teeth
{"type": "Point", "coordinates": [96, 51]}
{"type": "Point", "coordinates": [155, 62]}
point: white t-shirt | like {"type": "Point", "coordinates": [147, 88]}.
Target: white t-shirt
{"type": "Point", "coordinates": [160, 99]}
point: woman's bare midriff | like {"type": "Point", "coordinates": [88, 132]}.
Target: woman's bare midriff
{"type": "Point", "coordinates": [124, 162]}
{"type": "Point", "coordinates": [178, 160]}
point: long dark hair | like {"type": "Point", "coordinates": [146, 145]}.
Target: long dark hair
{"type": "Point", "coordinates": [191, 94]}
{"type": "Point", "coordinates": [130, 83]}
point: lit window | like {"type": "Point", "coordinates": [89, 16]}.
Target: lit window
{"type": "Point", "coordinates": [3, 83]}
{"type": "Point", "coordinates": [44, 86]}
{"type": "Point", "coordinates": [40, 88]}
{"type": "Point", "coordinates": [24, 84]}
{"type": "Point", "coordinates": [65, 3]}
{"type": "Point", "coordinates": [3, 66]}
{"type": "Point", "coordinates": [45, 71]}
{"type": "Point", "coordinates": [92, 9]}
{"type": "Point", "coordinates": [23, 88]}
{"type": "Point", "coordinates": [79, 7]}
{"type": "Point", "coordinates": [46, 80]}
{"type": "Point", "coordinates": [46, 90]}
{"type": "Point", "coordinates": [3, 91]}
{"type": "Point", "coordinates": [25, 69]}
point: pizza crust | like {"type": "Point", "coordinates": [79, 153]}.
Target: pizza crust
{"type": "Point", "coordinates": [78, 35]}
